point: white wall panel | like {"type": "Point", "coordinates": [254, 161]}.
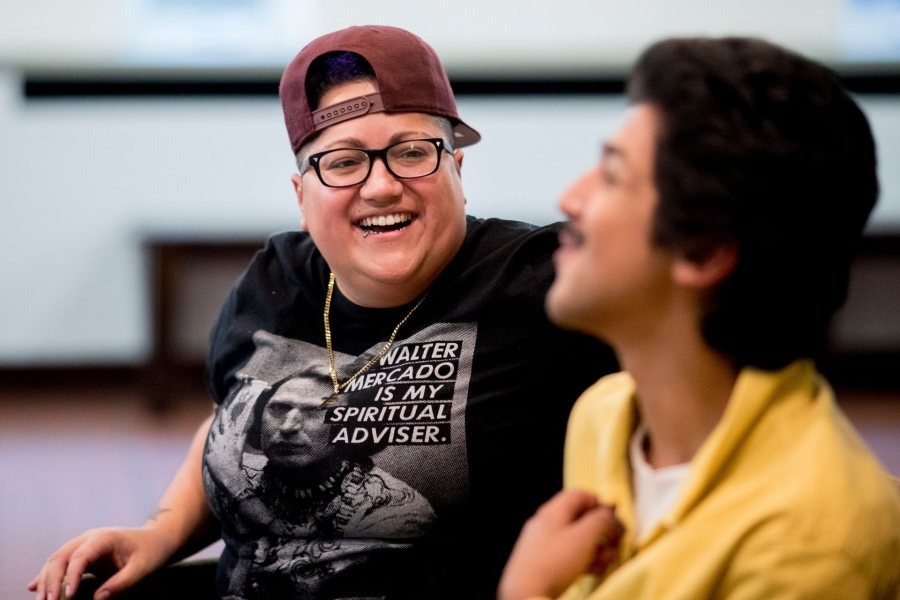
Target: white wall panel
{"type": "Point", "coordinates": [81, 183]}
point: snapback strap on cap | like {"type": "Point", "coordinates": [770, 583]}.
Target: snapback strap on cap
{"type": "Point", "coordinates": [347, 109]}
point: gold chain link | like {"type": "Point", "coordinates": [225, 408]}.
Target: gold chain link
{"type": "Point", "coordinates": [338, 387]}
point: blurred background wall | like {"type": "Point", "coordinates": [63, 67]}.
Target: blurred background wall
{"type": "Point", "coordinates": [123, 121]}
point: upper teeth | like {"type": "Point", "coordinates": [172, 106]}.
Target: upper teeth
{"type": "Point", "coordinates": [385, 220]}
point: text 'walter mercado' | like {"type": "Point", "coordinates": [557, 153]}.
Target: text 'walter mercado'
{"type": "Point", "coordinates": [405, 399]}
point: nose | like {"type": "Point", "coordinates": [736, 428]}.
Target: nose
{"type": "Point", "coordinates": [380, 186]}
{"type": "Point", "coordinates": [574, 197]}
{"type": "Point", "coordinates": [293, 421]}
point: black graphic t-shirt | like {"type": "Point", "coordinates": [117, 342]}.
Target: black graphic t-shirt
{"type": "Point", "coordinates": [413, 482]}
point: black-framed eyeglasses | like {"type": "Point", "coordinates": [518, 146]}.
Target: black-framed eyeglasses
{"type": "Point", "coordinates": [345, 167]}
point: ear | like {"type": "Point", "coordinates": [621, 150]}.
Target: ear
{"type": "Point", "coordinates": [705, 272]}
{"type": "Point", "coordinates": [297, 182]}
{"type": "Point", "coordinates": [458, 159]}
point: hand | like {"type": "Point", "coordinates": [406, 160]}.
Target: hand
{"type": "Point", "coordinates": [570, 535]}
{"type": "Point", "coordinates": [130, 554]}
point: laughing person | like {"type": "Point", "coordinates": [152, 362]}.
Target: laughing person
{"type": "Point", "coordinates": [710, 246]}
{"type": "Point", "coordinates": [391, 296]}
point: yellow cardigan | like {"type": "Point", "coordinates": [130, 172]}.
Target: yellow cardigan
{"type": "Point", "coordinates": [783, 500]}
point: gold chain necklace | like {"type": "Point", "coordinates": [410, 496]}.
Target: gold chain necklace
{"type": "Point", "coordinates": [339, 387]}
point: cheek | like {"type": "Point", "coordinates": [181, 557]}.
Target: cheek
{"type": "Point", "coordinates": [313, 209]}
{"type": "Point", "coordinates": [447, 187]}
{"type": "Point", "coordinates": [325, 218]}
{"type": "Point", "coordinates": [270, 423]}
{"type": "Point", "coordinates": [453, 214]}
{"type": "Point", "coordinates": [318, 429]}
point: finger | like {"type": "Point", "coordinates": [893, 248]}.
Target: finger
{"type": "Point", "coordinates": [597, 526]}
{"type": "Point", "coordinates": [85, 555]}
{"type": "Point", "coordinates": [40, 586]}
{"type": "Point", "coordinates": [568, 505]}
{"type": "Point", "coordinates": [126, 577]}
{"type": "Point", "coordinates": [612, 526]}
{"type": "Point", "coordinates": [603, 559]}
{"type": "Point", "coordinates": [52, 574]}
{"type": "Point", "coordinates": [45, 587]}
{"type": "Point", "coordinates": [49, 580]}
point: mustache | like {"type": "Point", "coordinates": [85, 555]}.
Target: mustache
{"type": "Point", "coordinates": [570, 235]}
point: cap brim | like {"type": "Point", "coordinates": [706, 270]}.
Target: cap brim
{"type": "Point", "coordinates": [463, 135]}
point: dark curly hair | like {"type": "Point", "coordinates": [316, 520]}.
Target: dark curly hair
{"type": "Point", "coordinates": [763, 149]}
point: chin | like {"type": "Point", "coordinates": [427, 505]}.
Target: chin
{"type": "Point", "coordinates": [565, 314]}
{"type": "Point", "coordinates": [392, 277]}
{"type": "Point", "coordinates": [554, 306]}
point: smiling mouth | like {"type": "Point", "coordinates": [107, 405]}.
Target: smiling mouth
{"type": "Point", "coordinates": [385, 223]}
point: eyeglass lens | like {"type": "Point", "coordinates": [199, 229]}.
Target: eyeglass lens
{"type": "Point", "coordinates": [408, 159]}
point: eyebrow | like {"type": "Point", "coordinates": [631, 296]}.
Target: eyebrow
{"type": "Point", "coordinates": [280, 402]}
{"type": "Point", "coordinates": [610, 150]}
{"type": "Point", "coordinates": [400, 136]}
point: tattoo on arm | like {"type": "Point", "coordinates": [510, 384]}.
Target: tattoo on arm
{"type": "Point", "coordinates": [158, 511]}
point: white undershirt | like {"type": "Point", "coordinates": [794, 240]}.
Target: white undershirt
{"type": "Point", "coordinates": [655, 490]}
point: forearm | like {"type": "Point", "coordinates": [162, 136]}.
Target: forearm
{"type": "Point", "coordinates": [182, 518]}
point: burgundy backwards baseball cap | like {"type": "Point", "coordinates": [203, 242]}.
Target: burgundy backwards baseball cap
{"type": "Point", "coordinates": [409, 73]}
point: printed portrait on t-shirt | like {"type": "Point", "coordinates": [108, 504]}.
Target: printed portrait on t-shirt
{"type": "Point", "coordinates": [318, 486]}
